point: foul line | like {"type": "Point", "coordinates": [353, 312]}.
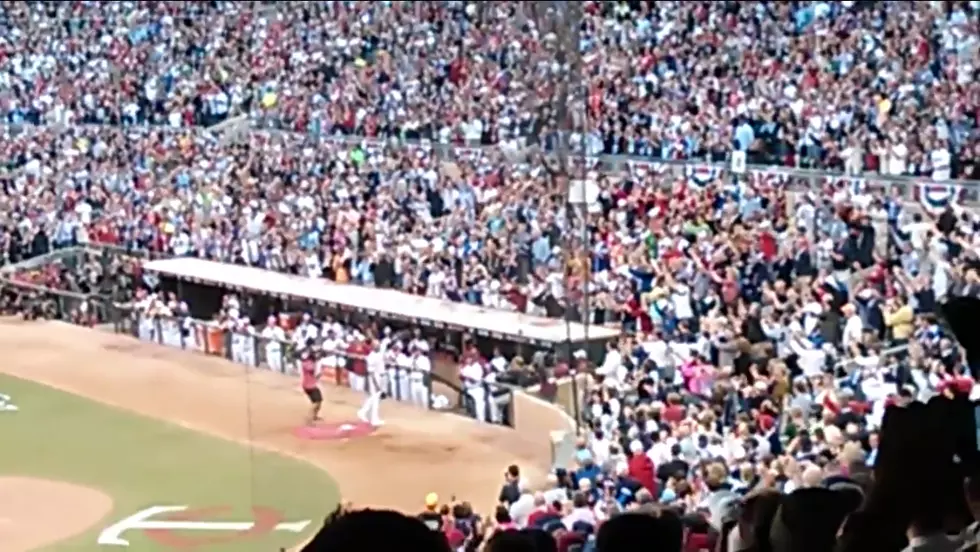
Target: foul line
{"type": "Point", "coordinates": [185, 425]}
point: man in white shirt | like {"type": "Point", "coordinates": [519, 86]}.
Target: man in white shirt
{"type": "Point", "coordinates": [656, 349]}
{"type": "Point", "coordinates": [897, 155]}
{"type": "Point", "coordinates": [681, 300]}
{"type": "Point", "coordinates": [274, 337]}
{"type": "Point", "coordinates": [333, 347]}
{"type": "Point", "coordinates": [306, 333]}
{"type": "Point", "coordinates": [941, 278]}
{"type": "Point", "coordinates": [170, 328]}
{"type": "Point", "coordinates": [917, 230]}
{"type": "Point", "coordinates": [387, 339]}
{"type": "Point", "coordinates": [146, 328]}
{"type": "Point", "coordinates": [436, 283]}
{"type": "Point", "coordinates": [471, 376]}
{"type": "Point", "coordinates": [600, 447]}
{"type": "Point", "coordinates": [611, 363]}
{"type": "Point", "coordinates": [555, 492]}
{"type": "Point", "coordinates": [390, 349]}
{"type": "Point", "coordinates": [523, 507]}
{"type": "Point", "coordinates": [498, 362]}
{"type": "Point", "coordinates": [811, 359]}
{"type": "Point", "coordinates": [419, 342]}
{"type": "Point", "coordinates": [421, 368]}
{"type": "Point", "coordinates": [659, 453]}
{"type": "Point", "coordinates": [242, 342]}
{"type": "Point", "coordinates": [403, 374]}
{"type": "Point", "coordinates": [853, 327]}
{"type": "Point", "coordinates": [376, 375]}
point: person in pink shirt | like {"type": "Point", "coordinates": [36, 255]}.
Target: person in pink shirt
{"type": "Point", "coordinates": [697, 375]}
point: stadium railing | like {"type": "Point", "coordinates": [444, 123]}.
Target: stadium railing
{"type": "Point", "coordinates": [482, 401]}
{"type": "Point", "coordinates": [910, 188]}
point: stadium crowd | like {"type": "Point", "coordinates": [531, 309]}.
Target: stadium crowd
{"type": "Point", "coordinates": [767, 329]}
{"type": "Point", "coordinates": [827, 84]}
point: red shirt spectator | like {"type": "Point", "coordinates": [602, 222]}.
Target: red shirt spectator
{"type": "Point", "coordinates": [674, 411]}
{"type": "Point", "coordinates": [635, 309]}
{"type": "Point", "coordinates": [961, 385]}
{"type": "Point", "coordinates": [766, 421]}
{"type": "Point", "coordinates": [641, 469]}
{"type": "Point", "coordinates": [541, 512]}
{"type": "Point", "coordinates": [767, 245]}
{"type": "Point", "coordinates": [698, 542]}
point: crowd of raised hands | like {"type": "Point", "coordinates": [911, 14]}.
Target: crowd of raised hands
{"type": "Point", "coordinates": [403, 145]}
{"type": "Point", "coordinates": [856, 85]}
{"type": "Point", "coordinates": [331, 122]}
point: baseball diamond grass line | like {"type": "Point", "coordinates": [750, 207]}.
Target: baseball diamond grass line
{"type": "Point", "coordinates": [142, 462]}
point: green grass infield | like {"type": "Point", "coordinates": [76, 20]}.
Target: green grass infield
{"type": "Point", "coordinates": [177, 488]}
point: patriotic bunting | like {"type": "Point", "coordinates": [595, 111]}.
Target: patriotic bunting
{"type": "Point", "coordinates": [856, 186]}
{"type": "Point", "coordinates": [648, 166]}
{"type": "Point", "coordinates": [936, 197]}
{"type": "Point", "coordinates": [700, 176]}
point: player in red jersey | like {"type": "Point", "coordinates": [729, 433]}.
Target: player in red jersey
{"type": "Point", "coordinates": [309, 376]}
{"type": "Point", "coordinates": [357, 353]}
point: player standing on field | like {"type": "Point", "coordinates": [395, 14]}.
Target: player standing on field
{"type": "Point", "coordinates": [275, 337]}
{"type": "Point", "coordinates": [421, 368]}
{"type": "Point", "coordinates": [357, 353]}
{"type": "Point", "coordinates": [375, 379]}
{"type": "Point", "coordinates": [309, 375]}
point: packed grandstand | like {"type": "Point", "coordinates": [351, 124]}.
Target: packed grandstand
{"type": "Point", "coordinates": [768, 202]}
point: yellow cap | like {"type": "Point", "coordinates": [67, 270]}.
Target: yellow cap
{"type": "Point", "coordinates": [431, 500]}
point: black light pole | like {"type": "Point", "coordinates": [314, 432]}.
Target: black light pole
{"type": "Point", "coordinates": [558, 24]}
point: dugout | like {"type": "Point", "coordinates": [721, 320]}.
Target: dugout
{"type": "Point", "coordinates": [203, 284]}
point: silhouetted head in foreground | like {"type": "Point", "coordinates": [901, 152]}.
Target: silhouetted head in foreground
{"type": "Point", "coordinates": [513, 541]}
{"type": "Point", "coordinates": [661, 531]}
{"type": "Point", "coordinates": [961, 314]}
{"type": "Point", "coordinates": [362, 530]}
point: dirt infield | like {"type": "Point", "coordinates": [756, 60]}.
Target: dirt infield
{"type": "Point", "coordinates": [416, 452]}
{"type": "Point", "coordinates": [38, 512]}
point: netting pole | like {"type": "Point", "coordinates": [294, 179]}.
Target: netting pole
{"type": "Point", "coordinates": [558, 25]}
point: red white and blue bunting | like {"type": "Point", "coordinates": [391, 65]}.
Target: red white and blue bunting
{"type": "Point", "coordinates": [649, 167]}
{"type": "Point", "coordinates": [700, 176]}
{"type": "Point", "coordinates": [855, 186]}
{"type": "Point", "coordinates": [764, 180]}
{"type": "Point", "coordinates": [936, 197]}
{"type": "Point", "coordinates": [931, 195]}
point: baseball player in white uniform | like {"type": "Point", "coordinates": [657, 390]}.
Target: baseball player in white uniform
{"type": "Point", "coordinates": [146, 327]}
{"type": "Point", "coordinates": [333, 347]}
{"type": "Point", "coordinates": [471, 375]}
{"type": "Point", "coordinates": [274, 336]}
{"type": "Point", "coordinates": [390, 349]}
{"type": "Point", "coordinates": [306, 333]}
{"type": "Point", "coordinates": [421, 367]}
{"type": "Point", "coordinates": [376, 374]}
{"type": "Point", "coordinates": [403, 373]}
{"type": "Point", "coordinates": [242, 342]}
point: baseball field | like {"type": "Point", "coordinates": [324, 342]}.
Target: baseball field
{"type": "Point", "coordinates": [111, 443]}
